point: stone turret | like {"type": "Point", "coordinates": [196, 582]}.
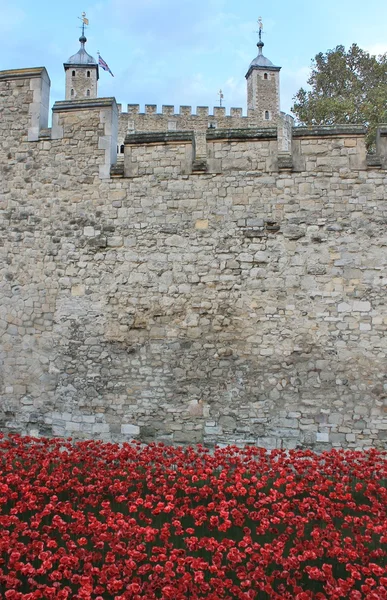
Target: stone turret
{"type": "Point", "coordinates": [81, 74]}
{"type": "Point", "coordinates": [263, 88]}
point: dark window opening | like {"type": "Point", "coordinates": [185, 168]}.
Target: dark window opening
{"type": "Point", "coordinates": [88, 73]}
{"type": "Point", "coordinates": [72, 92]}
{"type": "Point", "coordinates": [122, 148]}
{"type": "Point", "coordinates": [266, 76]}
{"type": "Point", "coordinates": [88, 93]}
{"type": "Point", "coordinates": [267, 115]}
{"type": "Point", "coordinates": [73, 73]}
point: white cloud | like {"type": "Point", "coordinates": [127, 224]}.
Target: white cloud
{"type": "Point", "coordinates": [376, 49]}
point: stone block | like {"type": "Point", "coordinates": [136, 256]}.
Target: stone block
{"type": "Point", "coordinates": [187, 437]}
{"type": "Point", "coordinates": [227, 423]}
{"type": "Point", "coordinates": [270, 443]}
{"type": "Point", "coordinates": [335, 418]}
{"type": "Point", "coordinates": [261, 257]}
{"type": "Point", "coordinates": [291, 423]}
{"type": "Point", "coordinates": [201, 224]}
{"type": "Point", "coordinates": [361, 306]}
{"type": "Point", "coordinates": [88, 419]}
{"type": "Point", "coordinates": [293, 232]}
{"type": "Point", "coordinates": [129, 429]}
{"type": "Point", "coordinates": [100, 428]}
{"type": "Point", "coordinates": [213, 430]}
{"type": "Point", "coordinates": [176, 241]}
{"type": "Point", "coordinates": [309, 438]}
{"type": "Point", "coordinates": [58, 431]}
{"type": "Point", "coordinates": [338, 438]}
{"type": "Point", "coordinates": [72, 426]}
{"type": "Point", "coordinates": [78, 290]}
{"type": "Point", "coordinates": [115, 241]}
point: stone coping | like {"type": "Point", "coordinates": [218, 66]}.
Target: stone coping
{"type": "Point", "coordinates": [329, 130]}
{"type": "Point", "coordinates": [83, 65]}
{"type": "Point", "coordinates": [29, 73]}
{"type": "Point", "coordinates": [83, 104]}
{"type": "Point", "coordinates": [159, 137]}
{"type": "Point", "coordinates": [252, 133]}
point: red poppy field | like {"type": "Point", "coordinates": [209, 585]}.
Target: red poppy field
{"type": "Point", "coordinates": [100, 521]}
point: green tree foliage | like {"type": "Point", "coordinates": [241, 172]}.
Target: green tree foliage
{"type": "Point", "coordinates": [346, 87]}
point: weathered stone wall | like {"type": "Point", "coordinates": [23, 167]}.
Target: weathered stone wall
{"type": "Point", "coordinates": [168, 156]}
{"type": "Point", "coordinates": [241, 305]}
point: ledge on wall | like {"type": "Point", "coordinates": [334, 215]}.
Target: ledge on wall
{"type": "Point", "coordinates": [159, 137]}
{"type": "Point", "coordinates": [374, 160]}
{"type": "Point", "coordinates": [262, 133]}
{"type": "Point", "coordinates": [83, 104]}
{"type": "Point", "coordinates": [328, 130]}
{"type": "Point", "coordinates": [28, 73]}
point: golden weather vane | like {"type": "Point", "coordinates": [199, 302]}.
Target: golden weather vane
{"type": "Point", "coordinates": [260, 28]}
{"type": "Point", "coordinates": [85, 21]}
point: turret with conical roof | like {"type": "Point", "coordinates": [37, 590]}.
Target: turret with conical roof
{"type": "Point", "coordinates": [263, 87]}
{"type": "Point", "coordinates": [81, 71]}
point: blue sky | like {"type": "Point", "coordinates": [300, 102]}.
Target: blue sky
{"type": "Point", "coordinates": [184, 51]}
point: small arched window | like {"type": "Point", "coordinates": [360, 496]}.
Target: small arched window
{"type": "Point", "coordinates": [73, 73]}
{"type": "Point", "coordinates": [267, 115]}
{"type": "Point", "coordinates": [88, 73]}
{"type": "Point", "coordinates": [87, 93]}
{"type": "Point", "coordinates": [122, 148]}
{"type": "Point", "coordinates": [266, 76]}
{"type": "Point", "coordinates": [72, 92]}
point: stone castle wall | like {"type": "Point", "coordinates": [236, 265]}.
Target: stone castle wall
{"type": "Point", "coordinates": [210, 288]}
{"type": "Point", "coordinates": [133, 120]}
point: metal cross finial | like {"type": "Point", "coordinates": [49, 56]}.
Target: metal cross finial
{"type": "Point", "coordinates": [221, 96]}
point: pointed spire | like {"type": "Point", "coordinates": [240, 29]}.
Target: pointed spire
{"type": "Point", "coordinates": [260, 43]}
{"type": "Point", "coordinates": [83, 38]}
{"type": "Point", "coordinates": [82, 57]}
{"type": "Point", "coordinates": [260, 61]}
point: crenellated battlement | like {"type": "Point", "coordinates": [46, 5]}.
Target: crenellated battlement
{"type": "Point", "coordinates": [184, 110]}
{"type": "Point", "coordinates": [183, 143]}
